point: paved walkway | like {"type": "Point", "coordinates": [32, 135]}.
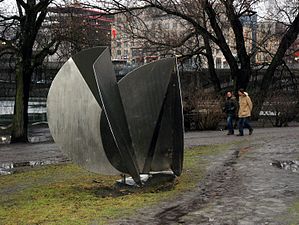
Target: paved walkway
{"type": "Point", "coordinates": [41, 151]}
{"type": "Point", "coordinates": [242, 186]}
{"type": "Point", "coordinates": [43, 147]}
{"type": "Point", "coordinates": [257, 192]}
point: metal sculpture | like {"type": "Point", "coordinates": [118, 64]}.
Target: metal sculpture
{"type": "Point", "coordinates": [133, 126]}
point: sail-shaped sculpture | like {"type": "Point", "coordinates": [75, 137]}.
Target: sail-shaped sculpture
{"type": "Point", "coordinates": [133, 126]}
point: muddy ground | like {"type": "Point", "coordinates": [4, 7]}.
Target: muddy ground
{"type": "Point", "coordinates": [244, 186]}
{"type": "Point", "coordinates": [255, 182]}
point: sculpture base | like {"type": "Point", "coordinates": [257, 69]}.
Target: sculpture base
{"type": "Point", "coordinates": [151, 179]}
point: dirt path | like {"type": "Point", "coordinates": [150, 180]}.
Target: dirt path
{"type": "Point", "coordinates": [242, 187]}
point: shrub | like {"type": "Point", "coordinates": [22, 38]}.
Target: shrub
{"type": "Point", "coordinates": [283, 107]}
{"type": "Point", "coordinates": [203, 111]}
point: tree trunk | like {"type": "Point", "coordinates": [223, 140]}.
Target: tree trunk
{"type": "Point", "coordinates": [211, 65]}
{"type": "Point", "coordinates": [222, 42]}
{"type": "Point", "coordinates": [242, 78]}
{"type": "Point", "coordinates": [287, 40]}
{"type": "Point", "coordinates": [20, 117]}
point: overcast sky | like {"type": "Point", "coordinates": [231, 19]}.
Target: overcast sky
{"type": "Point", "coordinates": [262, 8]}
{"type": "Point", "coordinates": [10, 3]}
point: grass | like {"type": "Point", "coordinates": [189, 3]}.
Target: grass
{"type": "Point", "coordinates": [67, 194]}
{"type": "Point", "coordinates": [294, 213]}
{"type": "Point", "coordinates": [291, 216]}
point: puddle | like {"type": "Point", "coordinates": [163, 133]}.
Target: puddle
{"type": "Point", "coordinates": [291, 165]}
{"type": "Point", "coordinates": [10, 168]}
{"type": "Point", "coordinates": [7, 107]}
{"type": "Point", "coordinates": [5, 139]}
{"type": "Point", "coordinates": [6, 168]}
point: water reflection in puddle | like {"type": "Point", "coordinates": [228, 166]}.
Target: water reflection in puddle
{"type": "Point", "coordinates": [10, 168]}
{"type": "Point", "coordinates": [6, 168]}
{"type": "Point", "coordinates": [292, 165]}
{"type": "Point", "coordinates": [5, 139]}
{"type": "Point", "coordinates": [37, 106]}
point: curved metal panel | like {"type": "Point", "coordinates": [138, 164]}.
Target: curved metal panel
{"type": "Point", "coordinates": [170, 144]}
{"type": "Point", "coordinates": [178, 126]}
{"type": "Point", "coordinates": [143, 92]}
{"type": "Point", "coordinates": [162, 157]}
{"type": "Point", "coordinates": [74, 120]}
{"type": "Point", "coordinates": [84, 61]}
{"type": "Point", "coordinates": [114, 111]}
{"type": "Point", "coordinates": [110, 147]}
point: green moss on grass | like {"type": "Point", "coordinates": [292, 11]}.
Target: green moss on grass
{"type": "Point", "coordinates": [294, 213]}
{"type": "Point", "coordinates": [67, 194]}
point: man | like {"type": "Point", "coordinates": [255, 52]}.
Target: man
{"type": "Point", "coordinates": [230, 108]}
{"type": "Point", "coordinates": [245, 108]}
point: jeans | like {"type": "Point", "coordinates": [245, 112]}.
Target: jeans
{"type": "Point", "coordinates": [229, 123]}
{"type": "Point", "coordinates": [243, 123]}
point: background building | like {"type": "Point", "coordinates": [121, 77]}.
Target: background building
{"type": "Point", "coordinates": [80, 27]}
{"type": "Point", "coordinates": [133, 46]}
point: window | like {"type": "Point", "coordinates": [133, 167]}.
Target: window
{"type": "Point", "coordinates": [218, 63]}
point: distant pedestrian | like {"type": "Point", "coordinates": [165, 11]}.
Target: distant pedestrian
{"type": "Point", "coordinates": [230, 108]}
{"type": "Point", "coordinates": [245, 108]}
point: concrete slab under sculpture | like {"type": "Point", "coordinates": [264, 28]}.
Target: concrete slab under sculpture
{"type": "Point", "coordinates": [130, 127]}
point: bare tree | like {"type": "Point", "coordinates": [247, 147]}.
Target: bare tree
{"type": "Point", "coordinates": [193, 13]}
{"type": "Point", "coordinates": [223, 27]}
{"type": "Point", "coordinates": [20, 31]}
{"type": "Point", "coordinates": [290, 21]}
{"type": "Point", "coordinates": [170, 35]}
{"type": "Point", "coordinates": [36, 29]}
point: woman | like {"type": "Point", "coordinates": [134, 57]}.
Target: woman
{"type": "Point", "coordinates": [245, 108]}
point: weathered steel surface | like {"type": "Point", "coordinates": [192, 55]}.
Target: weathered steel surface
{"type": "Point", "coordinates": [74, 120]}
{"type": "Point", "coordinates": [114, 111]}
{"type": "Point", "coordinates": [143, 92]}
{"type": "Point", "coordinates": [84, 61]}
{"type": "Point", "coordinates": [134, 126]}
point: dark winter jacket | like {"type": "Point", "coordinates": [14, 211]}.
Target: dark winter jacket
{"type": "Point", "coordinates": [230, 106]}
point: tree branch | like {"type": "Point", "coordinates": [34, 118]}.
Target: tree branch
{"type": "Point", "coordinates": [47, 50]}
{"type": "Point", "coordinates": [5, 18]}
{"type": "Point", "coordinates": [287, 40]}
{"type": "Point", "coordinates": [22, 3]}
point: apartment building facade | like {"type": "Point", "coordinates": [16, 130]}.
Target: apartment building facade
{"type": "Point", "coordinates": [261, 40]}
{"type": "Point", "coordinates": [133, 48]}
